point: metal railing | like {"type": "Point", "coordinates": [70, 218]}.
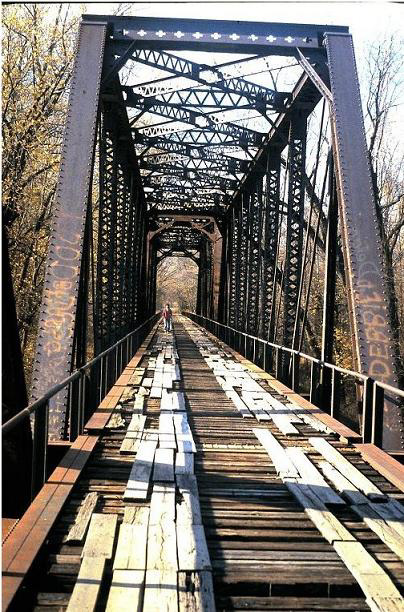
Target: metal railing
{"type": "Point", "coordinates": [325, 379]}
{"type": "Point", "coordinates": [84, 388]}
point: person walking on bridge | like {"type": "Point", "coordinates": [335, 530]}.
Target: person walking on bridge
{"type": "Point", "coordinates": [167, 316]}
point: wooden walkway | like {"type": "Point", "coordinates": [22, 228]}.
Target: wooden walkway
{"type": "Point", "coordinates": [202, 483]}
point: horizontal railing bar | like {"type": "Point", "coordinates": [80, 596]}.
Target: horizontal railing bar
{"type": "Point", "coordinates": [33, 407]}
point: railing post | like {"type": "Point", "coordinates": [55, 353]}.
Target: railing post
{"type": "Point", "coordinates": [335, 393]}
{"type": "Point", "coordinates": [377, 415]}
{"type": "Point", "coordinates": [367, 406]}
{"type": "Point", "coordinates": [295, 372]}
{"type": "Point", "coordinates": [39, 448]}
{"type": "Point", "coordinates": [73, 411]}
{"type": "Point", "coordinates": [116, 364]}
{"type": "Point", "coordinates": [102, 378]}
{"type": "Point", "coordinates": [314, 379]}
{"type": "Point", "coordinates": [269, 358]}
{"type": "Point", "coordinates": [278, 362]}
{"type": "Point", "coordinates": [326, 389]}
{"type": "Point", "coordinates": [82, 403]}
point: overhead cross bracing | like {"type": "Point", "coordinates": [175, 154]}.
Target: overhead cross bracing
{"type": "Point", "coordinates": [195, 125]}
{"type": "Point", "coordinates": [255, 128]}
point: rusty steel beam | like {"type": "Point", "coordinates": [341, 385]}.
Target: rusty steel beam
{"type": "Point", "coordinates": [372, 336]}
{"type": "Point", "coordinates": [215, 35]}
{"type": "Point", "coordinates": [59, 302]}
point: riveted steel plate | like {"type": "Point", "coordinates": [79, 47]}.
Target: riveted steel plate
{"type": "Point", "coordinates": [59, 301]}
{"type": "Point", "coordinates": [363, 253]}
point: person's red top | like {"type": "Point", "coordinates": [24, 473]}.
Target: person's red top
{"type": "Point", "coordinates": [167, 313]}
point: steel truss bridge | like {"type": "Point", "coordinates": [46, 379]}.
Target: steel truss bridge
{"type": "Point", "coordinates": [242, 147]}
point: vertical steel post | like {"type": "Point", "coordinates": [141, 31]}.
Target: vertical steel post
{"type": "Point", "coordinates": [294, 231]}
{"type": "Point", "coordinates": [234, 267]}
{"type": "Point", "coordinates": [241, 300]}
{"type": "Point", "coordinates": [59, 302]}
{"type": "Point", "coordinates": [327, 343]}
{"type": "Point", "coordinates": [39, 448]}
{"type": "Point", "coordinates": [271, 228]}
{"type": "Point", "coordinates": [217, 249]}
{"type": "Point", "coordinates": [254, 256]}
{"type": "Point", "coordinates": [372, 336]}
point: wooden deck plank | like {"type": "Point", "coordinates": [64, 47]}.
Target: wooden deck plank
{"type": "Point", "coordinates": [193, 552]}
{"type": "Point", "coordinates": [155, 392]}
{"type": "Point", "coordinates": [101, 536]}
{"type": "Point", "coordinates": [161, 587]}
{"type": "Point", "coordinates": [283, 465]}
{"type": "Point", "coordinates": [342, 484]}
{"type": "Point", "coordinates": [183, 434]}
{"type": "Point", "coordinates": [296, 400]}
{"type": "Point", "coordinates": [162, 546]}
{"type": "Point", "coordinates": [327, 524]}
{"type": "Point", "coordinates": [24, 543]}
{"type": "Point", "coordinates": [126, 592]}
{"type": "Point", "coordinates": [131, 549]}
{"type": "Point", "coordinates": [259, 413]}
{"type": "Point", "coordinates": [162, 504]}
{"type": "Point", "coordinates": [164, 465]}
{"type": "Point", "coordinates": [312, 477]}
{"type": "Point", "coordinates": [166, 404]}
{"type": "Point", "coordinates": [137, 515]}
{"type": "Point", "coordinates": [384, 529]}
{"type": "Point", "coordinates": [195, 592]}
{"type": "Point", "coordinates": [188, 507]}
{"type": "Point", "coordinates": [102, 414]}
{"type": "Point", "coordinates": [131, 442]}
{"type": "Point", "coordinates": [240, 405]}
{"type": "Point", "coordinates": [79, 527]}
{"type": "Point", "coordinates": [167, 432]}
{"type": "Point", "coordinates": [88, 584]}
{"type": "Point", "coordinates": [184, 463]}
{"type": "Point", "coordinates": [346, 468]}
{"type": "Point", "coordinates": [139, 479]}
{"type": "Point", "coordinates": [284, 423]}
{"type": "Point", "coordinates": [178, 401]}
{"type": "Point", "coordinates": [373, 580]}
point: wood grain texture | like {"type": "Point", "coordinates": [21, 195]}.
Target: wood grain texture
{"type": "Point", "coordinates": [88, 584]}
{"type": "Point", "coordinates": [101, 536]}
{"type": "Point", "coordinates": [79, 528]}
{"type": "Point", "coordinates": [346, 468]}
{"type": "Point", "coordinates": [140, 475]}
{"type": "Point", "coordinates": [126, 592]}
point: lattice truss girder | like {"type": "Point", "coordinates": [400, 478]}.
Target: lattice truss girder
{"type": "Point", "coordinates": [234, 249]}
{"type": "Point", "coordinates": [121, 237]}
{"type": "Point", "coordinates": [270, 243]}
{"type": "Point", "coordinates": [294, 234]}
{"type": "Point", "coordinates": [254, 256]}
